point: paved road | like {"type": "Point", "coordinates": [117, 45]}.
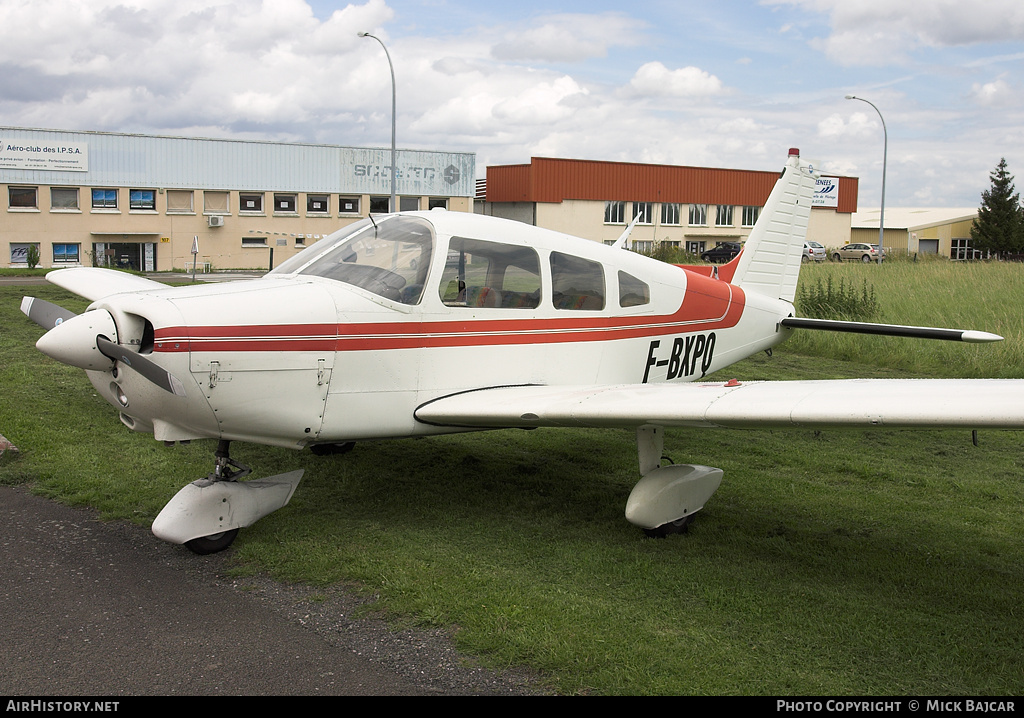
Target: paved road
{"type": "Point", "coordinates": [89, 608]}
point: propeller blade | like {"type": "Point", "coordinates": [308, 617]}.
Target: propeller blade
{"type": "Point", "coordinates": [146, 367]}
{"type": "Point", "coordinates": [44, 313]}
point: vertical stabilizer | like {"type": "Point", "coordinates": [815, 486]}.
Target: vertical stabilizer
{"type": "Point", "coordinates": [770, 261]}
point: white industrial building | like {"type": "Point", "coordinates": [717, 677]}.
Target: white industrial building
{"type": "Point", "coordinates": [143, 201]}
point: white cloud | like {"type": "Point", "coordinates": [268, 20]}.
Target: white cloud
{"type": "Point", "coordinates": [993, 94]}
{"type": "Point", "coordinates": [858, 126]}
{"type": "Point", "coordinates": [654, 79]}
{"type": "Point", "coordinates": [881, 32]}
{"type": "Point", "coordinates": [569, 38]}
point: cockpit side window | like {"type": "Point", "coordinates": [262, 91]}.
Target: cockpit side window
{"type": "Point", "coordinates": [389, 257]}
{"type": "Point", "coordinates": [633, 292]}
{"type": "Point", "coordinates": [479, 273]}
{"type": "Point", "coordinates": [577, 283]}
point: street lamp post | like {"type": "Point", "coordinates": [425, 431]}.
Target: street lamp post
{"type": "Point", "coordinates": [885, 159]}
{"type": "Point", "coordinates": [394, 168]}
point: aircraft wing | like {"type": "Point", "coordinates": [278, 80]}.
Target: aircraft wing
{"type": "Point", "coordinates": [850, 403]}
{"type": "Point", "coordinates": [95, 283]}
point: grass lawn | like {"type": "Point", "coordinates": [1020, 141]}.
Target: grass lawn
{"type": "Point", "coordinates": [846, 563]}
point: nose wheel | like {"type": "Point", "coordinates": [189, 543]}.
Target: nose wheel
{"type": "Point", "coordinates": [207, 514]}
{"type": "Point", "coordinates": [224, 469]}
{"type": "Point", "coordinates": [205, 545]}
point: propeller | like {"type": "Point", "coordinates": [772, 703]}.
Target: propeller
{"type": "Point", "coordinates": [148, 368]}
{"type": "Point", "coordinates": [82, 340]}
{"type": "Point", "coordinates": [44, 313]}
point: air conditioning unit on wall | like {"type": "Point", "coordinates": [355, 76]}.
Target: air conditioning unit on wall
{"type": "Point", "coordinates": [216, 220]}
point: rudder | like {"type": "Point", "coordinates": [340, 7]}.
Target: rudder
{"type": "Point", "coordinates": [770, 261]}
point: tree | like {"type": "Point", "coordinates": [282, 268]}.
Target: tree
{"type": "Point", "coordinates": [1000, 223]}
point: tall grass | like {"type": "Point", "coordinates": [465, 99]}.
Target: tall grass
{"type": "Point", "coordinates": [828, 563]}
{"type": "Point", "coordinates": [960, 295]}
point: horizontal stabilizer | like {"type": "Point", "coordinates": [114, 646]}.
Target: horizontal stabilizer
{"type": "Point", "coordinates": [891, 330]}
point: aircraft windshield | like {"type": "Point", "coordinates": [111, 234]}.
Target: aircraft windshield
{"type": "Point", "coordinates": [388, 256]}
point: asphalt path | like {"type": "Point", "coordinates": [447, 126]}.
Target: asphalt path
{"type": "Point", "coordinates": [91, 608]}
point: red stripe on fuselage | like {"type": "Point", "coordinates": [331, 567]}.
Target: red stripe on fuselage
{"type": "Point", "coordinates": [707, 305]}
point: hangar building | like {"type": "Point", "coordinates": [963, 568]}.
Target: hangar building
{"type": "Point", "coordinates": [690, 207]}
{"type": "Point", "coordinates": [945, 232]}
{"type": "Point", "coordinates": [142, 201]}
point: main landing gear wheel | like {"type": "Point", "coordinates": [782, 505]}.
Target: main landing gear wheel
{"type": "Point", "coordinates": [205, 545]}
{"type": "Point", "coordinates": [679, 526]}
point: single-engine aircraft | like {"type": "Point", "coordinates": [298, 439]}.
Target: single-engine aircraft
{"type": "Point", "coordinates": [421, 323]}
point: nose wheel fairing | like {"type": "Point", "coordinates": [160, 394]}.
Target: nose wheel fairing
{"type": "Point", "coordinates": [208, 507]}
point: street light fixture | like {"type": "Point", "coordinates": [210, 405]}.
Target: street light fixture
{"type": "Point", "coordinates": [885, 159]}
{"type": "Point", "coordinates": [394, 168]}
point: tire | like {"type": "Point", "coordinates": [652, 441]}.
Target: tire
{"type": "Point", "coordinates": [837, 257]}
{"type": "Point", "coordinates": [866, 258]}
{"type": "Point", "coordinates": [205, 545]}
{"type": "Point", "coordinates": [679, 526]}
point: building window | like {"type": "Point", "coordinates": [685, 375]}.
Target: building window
{"type": "Point", "coordinates": [348, 205]}
{"type": "Point", "coordinates": [20, 253]}
{"type": "Point", "coordinates": [643, 210]}
{"type": "Point", "coordinates": [63, 199]}
{"type": "Point", "coordinates": [698, 215]}
{"type": "Point", "coordinates": [254, 242]}
{"type": "Point", "coordinates": [669, 213]}
{"type": "Point", "coordinates": [723, 217]}
{"type": "Point", "coordinates": [249, 202]}
{"type": "Point", "coordinates": [22, 198]}
{"type": "Point", "coordinates": [104, 199]}
{"type": "Point", "coordinates": [142, 200]}
{"type": "Point", "coordinates": [380, 205]}
{"type": "Point", "coordinates": [179, 201]}
{"type": "Point", "coordinates": [614, 212]}
{"type": "Point", "coordinates": [694, 246]}
{"type": "Point", "coordinates": [318, 204]}
{"type": "Point", "coordinates": [750, 215]}
{"type": "Point", "coordinates": [285, 203]}
{"type": "Point", "coordinates": [408, 204]}
{"type": "Point", "coordinates": [643, 246]}
{"type": "Point", "coordinates": [215, 203]}
{"type": "Point", "coordinates": [437, 203]}
{"type": "Point", "coordinates": [961, 249]}
{"type": "Point", "coordinates": [65, 253]}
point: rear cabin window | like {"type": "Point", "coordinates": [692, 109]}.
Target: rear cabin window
{"type": "Point", "coordinates": [576, 283]}
{"type": "Point", "coordinates": [478, 273]}
{"type": "Point", "coordinates": [632, 291]}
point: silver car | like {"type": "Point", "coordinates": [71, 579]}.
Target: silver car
{"type": "Point", "coordinates": [858, 250]}
{"type": "Point", "coordinates": [814, 252]}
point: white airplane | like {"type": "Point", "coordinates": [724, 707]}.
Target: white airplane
{"type": "Point", "coordinates": [423, 323]}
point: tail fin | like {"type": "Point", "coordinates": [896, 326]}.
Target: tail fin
{"type": "Point", "coordinates": [770, 261]}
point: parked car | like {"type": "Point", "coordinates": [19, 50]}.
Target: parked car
{"type": "Point", "coordinates": [858, 250]}
{"type": "Point", "coordinates": [814, 252]}
{"type": "Point", "coordinates": [722, 253]}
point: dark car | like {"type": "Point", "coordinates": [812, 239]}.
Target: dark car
{"type": "Point", "coordinates": [722, 253]}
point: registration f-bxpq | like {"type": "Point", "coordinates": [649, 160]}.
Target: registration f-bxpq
{"type": "Point", "coordinates": [435, 322]}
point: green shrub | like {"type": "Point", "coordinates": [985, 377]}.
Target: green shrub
{"type": "Point", "coordinates": [843, 301]}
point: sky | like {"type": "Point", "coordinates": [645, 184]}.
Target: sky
{"type": "Point", "coordinates": [724, 84]}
